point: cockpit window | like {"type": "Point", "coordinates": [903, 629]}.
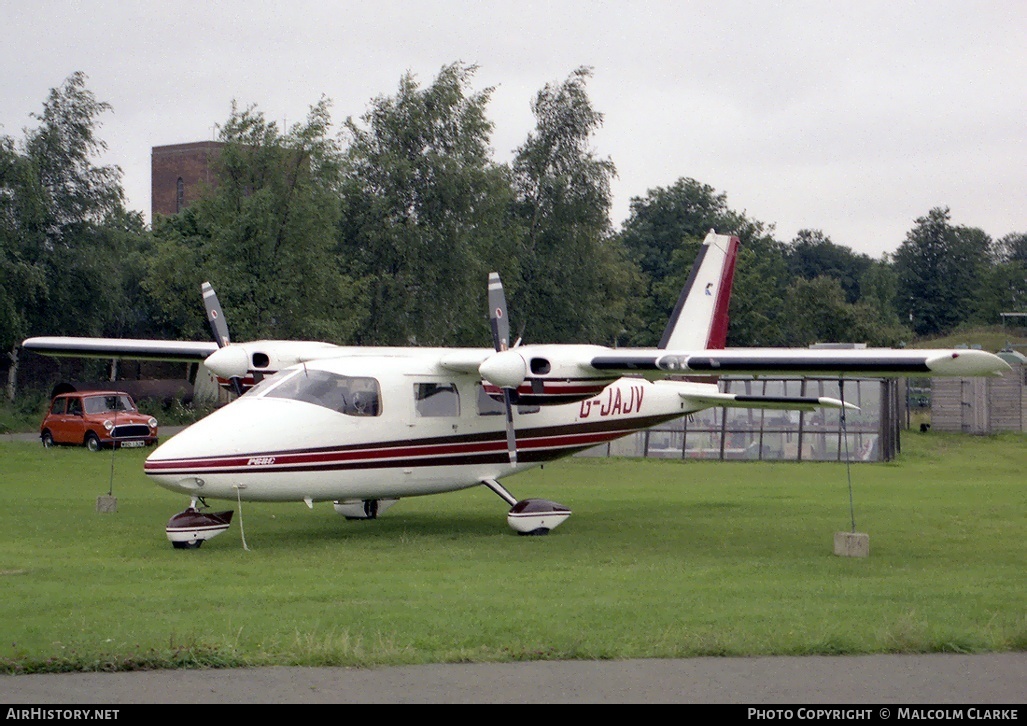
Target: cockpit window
{"type": "Point", "coordinates": [436, 399]}
{"type": "Point", "coordinates": [266, 382]}
{"type": "Point", "coordinates": [351, 395]}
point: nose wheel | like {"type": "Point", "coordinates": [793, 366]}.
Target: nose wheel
{"type": "Point", "coordinates": [191, 527]}
{"type": "Point", "coordinates": [530, 517]}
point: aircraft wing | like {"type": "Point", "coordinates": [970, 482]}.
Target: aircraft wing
{"type": "Point", "coordinates": [123, 348]}
{"type": "Point", "coordinates": [884, 362]}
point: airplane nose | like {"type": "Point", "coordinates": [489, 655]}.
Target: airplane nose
{"type": "Point", "coordinates": [238, 429]}
{"type": "Point", "coordinates": [222, 433]}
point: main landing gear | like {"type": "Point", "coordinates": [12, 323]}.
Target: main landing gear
{"type": "Point", "coordinates": [530, 516]}
{"type": "Point", "coordinates": [362, 508]}
{"type": "Point", "coordinates": [191, 527]}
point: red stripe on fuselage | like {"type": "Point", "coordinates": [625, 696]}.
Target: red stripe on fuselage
{"type": "Point", "coordinates": [590, 386]}
{"type": "Point", "coordinates": [537, 445]}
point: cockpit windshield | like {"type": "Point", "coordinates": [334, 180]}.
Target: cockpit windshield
{"type": "Point", "coordinates": [351, 395]}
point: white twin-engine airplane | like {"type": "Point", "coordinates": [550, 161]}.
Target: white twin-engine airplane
{"type": "Point", "coordinates": [363, 427]}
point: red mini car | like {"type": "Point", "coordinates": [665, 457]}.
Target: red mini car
{"type": "Point", "coordinates": [97, 419]}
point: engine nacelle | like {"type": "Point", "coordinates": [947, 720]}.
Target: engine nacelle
{"type": "Point", "coordinates": [250, 362]}
{"type": "Point", "coordinates": [538, 377]}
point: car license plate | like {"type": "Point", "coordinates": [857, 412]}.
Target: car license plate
{"type": "Point", "coordinates": [131, 444]}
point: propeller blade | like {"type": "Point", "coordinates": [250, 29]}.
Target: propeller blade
{"type": "Point", "coordinates": [215, 316]}
{"type": "Point", "coordinates": [511, 435]}
{"type": "Point", "coordinates": [501, 340]}
{"type": "Point", "coordinates": [497, 313]}
{"type": "Point", "coordinates": [218, 326]}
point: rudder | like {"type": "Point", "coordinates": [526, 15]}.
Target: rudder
{"type": "Point", "coordinates": [699, 320]}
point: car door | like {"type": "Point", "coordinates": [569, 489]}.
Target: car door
{"type": "Point", "coordinates": [73, 426]}
{"type": "Point", "coordinates": [54, 421]}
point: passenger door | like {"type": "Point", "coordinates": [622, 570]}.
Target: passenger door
{"type": "Point", "coordinates": [73, 424]}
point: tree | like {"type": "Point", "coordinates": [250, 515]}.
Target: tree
{"type": "Point", "coordinates": [816, 311]}
{"type": "Point", "coordinates": [757, 316]}
{"type": "Point", "coordinates": [575, 276]}
{"type": "Point", "coordinates": [266, 236]}
{"type": "Point", "coordinates": [660, 221]}
{"type": "Point", "coordinates": [663, 235]}
{"type": "Point", "coordinates": [182, 260]}
{"type": "Point", "coordinates": [879, 294]}
{"type": "Point", "coordinates": [940, 271]}
{"type": "Point", "coordinates": [427, 211]}
{"type": "Point", "coordinates": [1005, 287]}
{"type": "Point", "coordinates": [1013, 248]}
{"type": "Point", "coordinates": [812, 254]}
{"type": "Point", "coordinates": [77, 236]}
{"type": "Point", "coordinates": [70, 248]}
{"type": "Point", "coordinates": [21, 279]}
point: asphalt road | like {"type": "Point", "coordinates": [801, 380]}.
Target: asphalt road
{"type": "Point", "coordinates": [859, 681]}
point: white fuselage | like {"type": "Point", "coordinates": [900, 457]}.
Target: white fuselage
{"type": "Point", "coordinates": [430, 430]}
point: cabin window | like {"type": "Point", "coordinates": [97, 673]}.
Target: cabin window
{"type": "Point", "coordinates": [436, 399]}
{"type": "Point", "coordinates": [351, 395]}
{"type": "Point", "coordinates": [488, 406]}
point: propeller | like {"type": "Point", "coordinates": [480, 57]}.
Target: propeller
{"type": "Point", "coordinates": [225, 358]}
{"type": "Point", "coordinates": [503, 368]}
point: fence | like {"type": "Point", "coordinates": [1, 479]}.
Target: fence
{"type": "Point", "coordinates": [871, 433]}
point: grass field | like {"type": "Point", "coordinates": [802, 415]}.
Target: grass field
{"type": "Point", "coordinates": [661, 559]}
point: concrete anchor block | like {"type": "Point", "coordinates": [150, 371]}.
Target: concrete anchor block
{"type": "Point", "coordinates": [106, 504]}
{"type": "Point", "coordinates": [852, 544]}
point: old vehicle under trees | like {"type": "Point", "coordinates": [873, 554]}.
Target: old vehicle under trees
{"type": "Point", "coordinates": [97, 419]}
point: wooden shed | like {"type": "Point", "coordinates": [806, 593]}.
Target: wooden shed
{"type": "Point", "coordinates": [982, 405]}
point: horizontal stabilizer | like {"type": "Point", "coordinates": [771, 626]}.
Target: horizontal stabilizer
{"type": "Point", "coordinates": [786, 403]}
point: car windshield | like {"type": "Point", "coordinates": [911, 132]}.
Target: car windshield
{"type": "Point", "coordinates": [112, 403]}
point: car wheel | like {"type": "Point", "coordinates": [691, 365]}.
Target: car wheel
{"type": "Point", "coordinates": [47, 438]}
{"type": "Point", "coordinates": [92, 441]}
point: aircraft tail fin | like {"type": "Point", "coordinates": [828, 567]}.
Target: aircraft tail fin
{"type": "Point", "coordinates": [699, 320]}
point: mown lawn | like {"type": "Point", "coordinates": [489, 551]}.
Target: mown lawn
{"type": "Point", "coordinates": [660, 559]}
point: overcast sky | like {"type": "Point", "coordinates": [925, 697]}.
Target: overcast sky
{"type": "Point", "coordinates": [851, 117]}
